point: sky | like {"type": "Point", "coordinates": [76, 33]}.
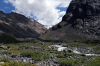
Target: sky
{"type": "Point", "coordinates": [46, 12]}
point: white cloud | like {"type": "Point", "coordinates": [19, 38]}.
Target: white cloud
{"type": "Point", "coordinates": [45, 11]}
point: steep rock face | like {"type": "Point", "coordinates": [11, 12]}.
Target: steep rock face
{"type": "Point", "coordinates": [84, 15]}
{"type": "Point", "coordinates": [82, 20]}
{"type": "Point", "coordinates": [19, 25]}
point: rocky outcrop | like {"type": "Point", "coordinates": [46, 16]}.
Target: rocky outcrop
{"type": "Point", "coordinates": [84, 15]}
{"type": "Point", "coordinates": [81, 21]}
{"type": "Point", "coordinates": [19, 25]}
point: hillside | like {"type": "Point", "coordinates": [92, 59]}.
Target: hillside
{"type": "Point", "coordinates": [19, 25]}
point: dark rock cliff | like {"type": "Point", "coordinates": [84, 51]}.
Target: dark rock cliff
{"type": "Point", "coordinates": [82, 20]}
{"type": "Point", "coordinates": [84, 15]}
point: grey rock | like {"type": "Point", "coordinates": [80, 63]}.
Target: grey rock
{"type": "Point", "coordinates": [84, 15]}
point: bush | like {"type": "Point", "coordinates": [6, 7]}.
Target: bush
{"type": "Point", "coordinates": [95, 62]}
{"type": "Point", "coordinates": [46, 56]}
{"type": "Point", "coordinates": [66, 62]}
{"type": "Point", "coordinates": [4, 59]}
{"type": "Point", "coordinates": [35, 55]}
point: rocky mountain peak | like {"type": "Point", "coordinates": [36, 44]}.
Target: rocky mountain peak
{"type": "Point", "coordinates": [84, 15]}
{"type": "Point", "coordinates": [81, 21]}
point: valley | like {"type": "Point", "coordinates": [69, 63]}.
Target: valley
{"type": "Point", "coordinates": [75, 41]}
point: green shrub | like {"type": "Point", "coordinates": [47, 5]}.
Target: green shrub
{"type": "Point", "coordinates": [66, 62]}
{"type": "Point", "coordinates": [4, 59]}
{"type": "Point", "coordinates": [46, 56]}
{"type": "Point", "coordinates": [95, 62]}
{"type": "Point", "coordinates": [35, 55]}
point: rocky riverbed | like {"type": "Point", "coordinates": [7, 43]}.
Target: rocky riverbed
{"type": "Point", "coordinates": [72, 52]}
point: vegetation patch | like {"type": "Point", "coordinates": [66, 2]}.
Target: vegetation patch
{"type": "Point", "coordinates": [17, 64]}
{"type": "Point", "coordinates": [35, 55]}
{"type": "Point", "coordinates": [66, 62]}
{"type": "Point", "coordinates": [4, 59]}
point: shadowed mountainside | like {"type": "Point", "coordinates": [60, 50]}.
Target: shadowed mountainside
{"type": "Point", "coordinates": [19, 25]}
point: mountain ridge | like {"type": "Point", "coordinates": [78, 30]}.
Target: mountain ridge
{"type": "Point", "coordinates": [19, 25]}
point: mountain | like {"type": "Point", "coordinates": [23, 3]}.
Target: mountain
{"type": "Point", "coordinates": [81, 22]}
{"type": "Point", "coordinates": [19, 25]}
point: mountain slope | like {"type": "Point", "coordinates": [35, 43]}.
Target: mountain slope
{"type": "Point", "coordinates": [19, 25]}
{"type": "Point", "coordinates": [81, 21]}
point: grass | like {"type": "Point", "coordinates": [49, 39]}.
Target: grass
{"type": "Point", "coordinates": [78, 62]}
{"type": "Point", "coordinates": [46, 56]}
{"type": "Point", "coordinates": [95, 62]}
{"type": "Point", "coordinates": [4, 59]}
{"type": "Point", "coordinates": [66, 62]}
{"type": "Point", "coordinates": [6, 52]}
{"type": "Point", "coordinates": [35, 55]}
{"type": "Point", "coordinates": [17, 64]}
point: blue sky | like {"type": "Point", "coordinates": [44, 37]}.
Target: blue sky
{"type": "Point", "coordinates": [6, 7]}
{"type": "Point", "coordinates": [46, 12]}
